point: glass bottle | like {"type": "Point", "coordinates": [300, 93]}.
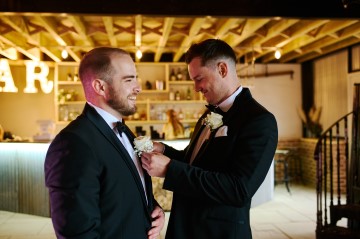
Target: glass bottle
{"type": "Point", "coordinates": [188, 94]}
{"type": "Point", "coordinates": [171, 95]}
{"type": "Point", "coordinates": [76, 77]}
{"type": "Point", "coordinates": [177, 95]}
{"type": "Point", "coordinates": [179, 75]}
{"type": "Point", "coordinates": [69, 77]}
{"type": "Point", "coordinates": [173, 75]}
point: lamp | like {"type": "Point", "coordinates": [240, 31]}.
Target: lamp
{"type": "Point", "coordinates": [277, 54]}
{"type": "Point", "coordinates": [64, 54]}
{"type": "Point", "coordinates": [138, 54]}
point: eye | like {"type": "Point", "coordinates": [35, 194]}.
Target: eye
{"type": "Point", "coordinates": [130, 79]}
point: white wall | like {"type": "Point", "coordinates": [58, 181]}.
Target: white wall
{"type": "Point", "coordinates": [280, 94]}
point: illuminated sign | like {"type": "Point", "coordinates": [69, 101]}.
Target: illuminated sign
{"type": "Point", "coordinates": [32, 74]}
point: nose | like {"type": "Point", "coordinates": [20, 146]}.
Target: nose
{"type": "Point", "coordinates": [197, 87]}
{"type": "Point", "coordinates": [137, 87]}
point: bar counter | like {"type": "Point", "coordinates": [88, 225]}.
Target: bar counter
{"type": "Point", "coordinates": [22, 187]}
{"type": "Point", "coordinates": [22, 183]}
{"type": "Point", "coordinates": [22, 179]}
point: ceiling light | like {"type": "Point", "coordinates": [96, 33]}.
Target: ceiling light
{"type": "Point", "coordinates": [138, 54]}
{"type": "Point", "coordinates": [64, 54]}
{"type": "Point", "coordinates": [277, 54]}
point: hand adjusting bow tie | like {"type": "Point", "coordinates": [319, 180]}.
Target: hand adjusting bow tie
{"type": "Point", "coordinates": [215, 109]}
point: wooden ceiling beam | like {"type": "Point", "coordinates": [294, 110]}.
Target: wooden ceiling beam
{"type": "Point", "coordinates": [276, 29]}
{"type": "Point", "coordinates": [167, 26]}
{"type": "Point", "coordinates": [80, 28]}
{"type": "Point", "coordinates": [348, 32]}
{"type": "Point", "coordinates": [20, 26]}
{"type": "Point", "coordinates": [335, 47]}
{"type": "Point", "coordinates": [329, 29]}
{"type": "Point", "coordinates": [50, 25]}
{"type": "Point", "coordinates": [10, 53]}
{"type": "Point", "coordinates": [225, 27]}
{"type": "Point", "coordinates": [186, 42]}
{"type": "Point", "coordinates": [109, 27]}
{"type": "Point", "coordinates": [138, 30]}
{"type": "Point", "coordinates": [22, 50]}
{"type": "Point", "coordinates": [251, 25]}
{"type": "Point", "coordinates": [295, 32]}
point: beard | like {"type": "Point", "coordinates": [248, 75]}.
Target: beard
{"type": "Point", "coordinates": [121, 105]}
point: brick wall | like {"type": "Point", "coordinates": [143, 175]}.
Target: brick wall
{"type": "Point", "coordinates": [302, 165]}
{"type": "Point", "coordinates": [294, 162]}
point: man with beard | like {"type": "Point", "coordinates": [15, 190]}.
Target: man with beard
{"type": "Point", "coordinates": [96, 184]}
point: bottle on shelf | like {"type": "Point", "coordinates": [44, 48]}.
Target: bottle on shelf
{"type": "Point", "coordinates": [76, 77]}
{"type": "Point", "coordinates": [181, 114]}
{"type": "Point", "coordinates": [63, 113]}
{"type": "Point", "coordinates": [152, 113]}
{"type": "Point", "coordinates": [179, 75]}
{"type": "Point", "coordinates": [159, 85]}
{"type": "Point", "coordinates": [148, 85]}
{"type": "Point", "coordinates": [69, 77]}
{"type": "Point", "coordinates": [177, 95]}
{"type": "Point", "coordinates": [171, 95]}
{"type": "Point", "coordinates": [173, 75]}
{"type": "Point", "coordinates": [188, 94]}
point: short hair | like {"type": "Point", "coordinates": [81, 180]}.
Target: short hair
{"type": "Point", "coordinates": [97, 63]}
{"type": "Point", "coordinates": [209, 50]}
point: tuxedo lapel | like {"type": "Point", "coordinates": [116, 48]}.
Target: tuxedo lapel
{"type": "Point", "coordinates": [239, 101]}
{"type": "Point", "coordinates": [109, 134]}
{"type": "Point", "coordinates": [197, 131]}
{"type": "Point", "coordinates": [204, 146]}
{"type": "Point", "coordinates": [230, 114]}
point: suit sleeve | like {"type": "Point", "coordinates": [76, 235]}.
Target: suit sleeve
{"type": "Point", "coordinates": [244, 170]}
{"type": "Point", "coordinates": [175, 154]}
{"type": "Point", "coordinates": [72, 176]}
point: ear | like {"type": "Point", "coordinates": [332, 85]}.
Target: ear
{"type": "Point", "coordinates": [99, 86]}
{"type": "Point", "coordinates": [222, 68]}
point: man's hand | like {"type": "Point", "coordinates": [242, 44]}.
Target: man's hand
{"type": "Point", "coordinates": [157, 224]}
{"type": "Point", "coordinates": [158, 147]}
{"type": "Point", "coordinates": [155, 163]}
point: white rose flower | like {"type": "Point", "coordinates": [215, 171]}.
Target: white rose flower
{"type": "Point", "coordinates": [213, 121]}
{"type": "Point", "coordinates": [143, 144]}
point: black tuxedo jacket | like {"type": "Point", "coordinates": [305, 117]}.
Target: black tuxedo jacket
{"type": "Point", "coordinates": [212, 197]}
{"type": "Point", "coordinates": [95, 189]}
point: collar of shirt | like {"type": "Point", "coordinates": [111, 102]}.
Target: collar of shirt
{"type": "Point", "coordinates": [109, 118]}
{"type": "Point", "coordinates": [226, 104]}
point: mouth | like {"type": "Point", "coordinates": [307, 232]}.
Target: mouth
{"type": "Point", "coordinates": [132, 98]}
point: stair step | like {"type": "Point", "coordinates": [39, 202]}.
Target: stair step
{"type": "Point", "coordinates": [350, 211]}
{"type": "Point", "coordinates": [335, 232]}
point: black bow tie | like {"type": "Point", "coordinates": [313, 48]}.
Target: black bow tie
{"type": "Point", "coordinates": [122, 128]}
{"type": "Point", "coordinates": [215, 109]}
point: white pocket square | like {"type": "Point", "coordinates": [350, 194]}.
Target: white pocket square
{"type": "Point", "coordinates": [222, 131]}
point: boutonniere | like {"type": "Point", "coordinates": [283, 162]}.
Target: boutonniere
{"type": "Point", "coordinates": [213, 121]}
{"type": "Point", "coordinates": [143, 144]}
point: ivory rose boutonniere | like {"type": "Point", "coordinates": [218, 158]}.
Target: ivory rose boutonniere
{"type": "Point", "coordinates": [143, 144]}
{"type": "Point", "coordinates": [213, 121]}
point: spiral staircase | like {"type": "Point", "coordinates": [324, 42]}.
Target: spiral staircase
{"type": "Point", "coordinates": [338, 176]}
